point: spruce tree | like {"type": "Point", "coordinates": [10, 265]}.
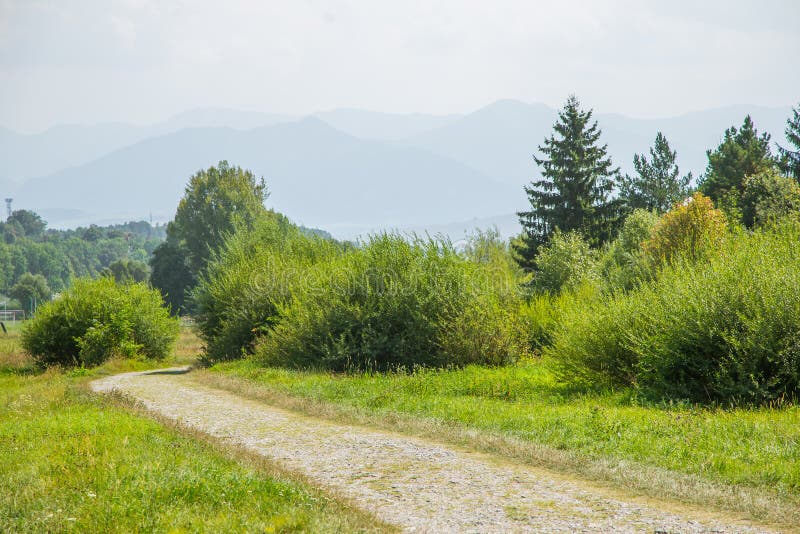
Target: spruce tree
{"type": "Point", "coordinates": [657, 185]}
{"type": "Point", "coordinates": [742, 153]}
{"type": "Point", "coordinates": [790, 159]}
{"type": "Point", "coordinates": [575, 188]}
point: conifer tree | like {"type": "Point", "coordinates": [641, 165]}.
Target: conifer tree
{"type": "Point", "coordinates": [575, 188]}
{"type": "Point", "coordinates": [790, 159]}
{"type": "Point", "coordinates": [742, 153]}
{"type": "Point", "coordinates": [657, 185]}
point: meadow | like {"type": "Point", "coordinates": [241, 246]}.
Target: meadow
{"type": "Point", "coordinates": [73, 461]}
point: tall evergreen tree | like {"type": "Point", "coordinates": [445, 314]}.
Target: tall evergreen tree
{"type": "Point", "coordinates": [790, 159]}
{"type": "Point", "coordinates": [657, 184]}
{"type": "Point", "coordinates": [742, 153]}
{"type": "Point", "coordinates": [574, 192]}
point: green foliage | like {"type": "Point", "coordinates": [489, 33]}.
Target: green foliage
{"type": "Point", "coordinates": [31, 223]}
{"type": "Point", "coordinates": [245, 283]}
{"type": "Point", "coordinates": [573, 194]}
{"type": "Point", "coordinates": [693, 229]}
{"type": "Point", "coordinates": [768, 197]}
{"type": "Point", "coordinates": [172, 275]}
{"type": "Point", "coordinates": [60, 255]}
{"type": "Point", "coordinates": [31, 290]}
{"type": "Point", "coordinates": [216, 202]}
{"type": "Point", "coordinates": [742, 153]}
{"type": "Point", "coordinates": [790, 159]}
{"type": "Point", "coordinates": [94, 320]}
{"type": "Point", "coordinates": [658, 184]}
{"type": "Point", "coordinates": [396, 304]}
{"type": "Point", "coordinates": [125, 270]}
{"type": "Point", "coordinates": [722, 330]}
{"type": "Point", "coordinates": [565, 262]}
{"type": "Point", "coordinates": [623, 264]}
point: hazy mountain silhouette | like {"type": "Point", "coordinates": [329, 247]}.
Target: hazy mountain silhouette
{"type": "Point", "coordinates": [499, 140]}
{"type": "Point", "coordinates": [318, 175]}
{"type": "Point", "coordinates": [383, 126]}
{"type": "Point", "coordinates": [27, 156]}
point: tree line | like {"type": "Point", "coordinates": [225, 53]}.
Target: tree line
{"type": "Point", "coordinates": [581, 190]}
{"type": "Point", "coordinates": [36, 262]}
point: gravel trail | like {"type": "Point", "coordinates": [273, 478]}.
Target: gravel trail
{"type": "Point", "coordinates": [418, 485]}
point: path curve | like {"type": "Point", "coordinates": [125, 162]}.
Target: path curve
{"type": "Point", "coordinates": [418, 485]}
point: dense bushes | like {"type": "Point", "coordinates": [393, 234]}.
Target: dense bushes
{"type": "Point", "coordinates": [239, 295]}
{"type": "Point", "coordinates": [94, 320]}
{"type": "Point", "coordinates": [678, 307]}
{"type": "Point", "coordinates": [396, 304]}
{"type": "Point", "coordinates": [726, 329]}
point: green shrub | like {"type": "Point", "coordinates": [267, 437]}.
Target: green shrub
{"type": "Point", "coordinates": [543, 313]}
{"type": "Point", "coordinates": [565, 262]}
{"type": "Point", "coordinates": [397, 304]}
{"type": "Point", "coordinates": [692, 229]}
{"type": "Point", "coordinates": [238, 297]}
{"type": "Point", "coordinates": [768, 197]}
{"type": "Point", "coordinates": [94, 320]}
{"type": "Point", "coordinates": [623, 265]}
{"type": "Point", "coordinates": [723, 330]}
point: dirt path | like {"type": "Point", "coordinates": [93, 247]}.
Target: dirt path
{"type": "Point", "coordinates": [416, 484]}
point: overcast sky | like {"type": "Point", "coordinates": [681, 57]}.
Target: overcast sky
{"type": "Point", "coordinates": [143, 60]}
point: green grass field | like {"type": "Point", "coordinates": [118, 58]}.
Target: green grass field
{"type": "Point", "coordinates": [719, 456]}
{"type": "Point", "coordinates": [72, 461]}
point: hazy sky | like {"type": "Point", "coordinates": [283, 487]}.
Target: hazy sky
{"type": "Point", "coordinates": [143, 60]}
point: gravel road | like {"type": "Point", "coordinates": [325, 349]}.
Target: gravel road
{"type": "Point", "coordinates": [418, 485]}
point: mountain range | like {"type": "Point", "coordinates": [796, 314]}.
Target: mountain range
{"type": "Point", "coordinates": [347, 171]}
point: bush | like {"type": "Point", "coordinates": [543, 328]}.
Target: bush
{"type": "Point", "coordinates": [565, 262]}
{"type": "Point", "coordinates": [397, 304]}
{"type": "Point", "coordinates": [693, 229]}
{"type": "Point", "coordinates": [725, 330]}
{"type": "Point", "coordinates": [94, 320]}
{"type": "Point", "coordinates": [768, 197]}
{"type": "Point", "coordinates": [238, 297]}
{"type": "Point", "coordinates": [623, 265]}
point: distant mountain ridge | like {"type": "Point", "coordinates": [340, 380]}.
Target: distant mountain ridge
{"type": "Point", "coordinates": [316, 174]}
{"type": "Point", "coordinates": [346, 171]}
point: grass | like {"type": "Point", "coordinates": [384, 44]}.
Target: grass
{"type": "Point", "coordinates": [745, 460]}
{"type": "Point", "coordinates": [72, 461]}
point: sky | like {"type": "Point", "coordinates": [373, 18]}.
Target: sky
{"type": "Point", "coordinates": [141, 61]}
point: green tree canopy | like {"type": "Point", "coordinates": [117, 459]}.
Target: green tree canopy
{"type": "Point", "coordinates": [574, 192]}
{"type": "Point", "coordinates": [742, 153]}
{"type": "Point", "coordinates": [171, 274]}
{"type": "Point", "coordinates": [216, 201]}
{"type": "Point", "coordinates": [31, 290]}
{"type": "Point", "coordinates": [658, 184]}
{"type": "Point", "coordinates": [126, 271]}
{"type": "Point", "coordinates": [768, 197]}
{"type": "Point", "coordinates": [31, 223]}
{"type": "Point", "coordinates": [790, 159]}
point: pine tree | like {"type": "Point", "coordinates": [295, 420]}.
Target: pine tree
{"type": "Point", "coordinates": [573, 194]}
{"type": "Point", "coordinates": [742, 153]}
{"type": "Point", "coordinates": [790, 159]}
{"type": "Point", "coordinates": [658, 184]}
